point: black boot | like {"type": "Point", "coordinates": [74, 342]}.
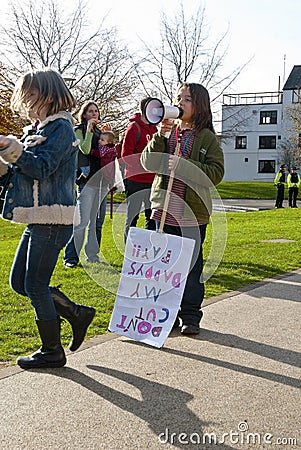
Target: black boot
{"type": "Point", "coordinates": [79, 316]}
{"type": "Point", "coordinates": [51, 354]}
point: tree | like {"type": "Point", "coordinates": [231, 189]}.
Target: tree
{"type": "Point", "coordinates": [185, 54]}
{"type": "Point", "coordinates": [9, 123]}
{"type": "Point", "coordinates": [291, 147]}
{"type": "Point", "coordinates": [96, 66]}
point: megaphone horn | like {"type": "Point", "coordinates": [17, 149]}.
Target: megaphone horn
{"type": "Point", "coordinates": [154, 111]}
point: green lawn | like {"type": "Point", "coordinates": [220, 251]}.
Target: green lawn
{"type": "Point", "coordinates": [246, 189]}
{"type": "Point", "coordinates": [237, 189]}
{"type": "Point", "coordinates": [246, 259]}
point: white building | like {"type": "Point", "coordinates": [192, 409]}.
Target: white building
{"type": "Point", "coordinates": [254, 126]}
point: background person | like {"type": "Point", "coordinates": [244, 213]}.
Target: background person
{"type": "Point", "coordinates": [293, 184]}
{"type": "Point", "coordinates": [194, 140]}
{"type": "Point", "coordinates": [279, 182]}
{"type": "Point", "coordinates": [137, 180]}
{"type": "Point", "coordinates": [41, 194]}
{"type": "Point", "coordinates": [92, 214]}
{"type": "Point", "coordinates": [106, 153]}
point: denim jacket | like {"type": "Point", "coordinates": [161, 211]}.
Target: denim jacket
{"type": "Point", "coordinates": [42, 189]}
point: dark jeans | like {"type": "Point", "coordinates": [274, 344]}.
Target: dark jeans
{"type": "Point", "coordinates": [34, 263]}
{"type": "Point", "coordinates": [193, 295]}
{"type": "Point", "coordinates": [136, 195]}
{"type": "Point", "coordinates": [292, 196]}
{"type": "Point", "coordinates": [280, 195]}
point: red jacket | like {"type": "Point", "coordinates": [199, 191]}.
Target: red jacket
{"type": "Point", "coordinates": [132, 148]}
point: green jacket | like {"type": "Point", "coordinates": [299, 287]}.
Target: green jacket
{"type": "Point", "coordinates": [204, 169]}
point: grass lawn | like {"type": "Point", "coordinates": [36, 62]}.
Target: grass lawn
{"type": "Point", "coordinates": [246, 259]}
{"type": "Point", "coordinates": [237, 189]}
{"type": "Point", "coordinates": [246, 189]}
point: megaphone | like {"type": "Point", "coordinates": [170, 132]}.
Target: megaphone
{"type": "Point", "coordinates": [154, 111]}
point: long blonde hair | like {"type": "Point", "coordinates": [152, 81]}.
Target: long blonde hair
{"type": "Point", "coordinates": [52, 90]}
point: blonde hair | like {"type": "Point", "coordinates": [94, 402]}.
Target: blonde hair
{"type": "Point", "coordinates": [52, 90]}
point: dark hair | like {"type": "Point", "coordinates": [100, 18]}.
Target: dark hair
{"type": "Point", "coordinates": [143, 103]}
{"type": "Point", "coordinates": [83, 122]}
{"type": "Point", "coordinates": [84, 108]}
{"type": "Point", "coordinates": [202, 115]}
{"type": "Point", "coordinates": [51, 87]}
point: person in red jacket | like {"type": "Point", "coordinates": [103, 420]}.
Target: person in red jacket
{"type": "Point", "coordinates": [137, 181]}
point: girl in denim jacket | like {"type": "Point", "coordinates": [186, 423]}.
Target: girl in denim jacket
{"type": "Point", "coordinates": [41, 194]}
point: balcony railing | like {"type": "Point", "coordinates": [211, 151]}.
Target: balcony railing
{"type": "Point", "coordinates": [252, 98]}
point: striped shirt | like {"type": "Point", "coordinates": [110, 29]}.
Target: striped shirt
{"type": "Point", "coordinates": [175, 209]}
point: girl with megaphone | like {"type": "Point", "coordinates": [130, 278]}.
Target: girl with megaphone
{"type": "Point", "coordinates": [194, 161]}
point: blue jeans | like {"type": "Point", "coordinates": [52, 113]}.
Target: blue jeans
{"type": "Point", "coordinates": [193, 296]}
{"type": "Point", "coordinates": [34, 263]}
{"type": "Point", "coordinates": [92, 215]}
{"type": "Point", "coordinates": [137, 194]}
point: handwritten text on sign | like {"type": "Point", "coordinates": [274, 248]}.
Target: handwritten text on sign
{"type": "Point", "coordinates": [151, 287]}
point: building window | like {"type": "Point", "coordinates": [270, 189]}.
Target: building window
{"type": "Point", "coordinates": [266, 166]}
{"type": "Point", "coordinates": [267, 117]}
{"type": "Point", "coordinates": [246, 159]}
{"type": "Point", "coordinates": [267, 141]}
{"type": "Point", "coordinates": [296, 97]}
{"type": "Point", "coordinates": [241, 142]}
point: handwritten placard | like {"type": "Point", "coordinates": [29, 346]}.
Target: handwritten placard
{"type": "Point", "coordinates": [151, 286]}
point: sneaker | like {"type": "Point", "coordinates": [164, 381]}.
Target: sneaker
{"type": "Point", "coordinates": [190, 329]}
{"type": "Point", "coordinates": [70, 265]}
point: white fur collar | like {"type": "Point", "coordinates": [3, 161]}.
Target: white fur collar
{"type": "Point", "coordinates": [60, 115]}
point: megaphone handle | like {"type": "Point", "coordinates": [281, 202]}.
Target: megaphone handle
{"type": "Point", "coordinates": [168, 191]}
{"type": "Point", "coordinates": [166, 201]}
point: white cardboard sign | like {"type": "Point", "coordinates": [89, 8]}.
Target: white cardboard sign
{"type": "Point", "coordinates": [151, 286]}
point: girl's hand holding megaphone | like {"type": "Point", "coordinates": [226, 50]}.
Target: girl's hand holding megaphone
{"type": "Point", "coordinates": [165, 127]}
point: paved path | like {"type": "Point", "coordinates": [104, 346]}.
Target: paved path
{"type": "Point", "coordinates": [238, 382]}
{"type": "Point", "coordinates": [234, 205]}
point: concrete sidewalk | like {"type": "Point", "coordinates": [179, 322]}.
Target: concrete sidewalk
{"type": "Point", "coordinates": [236, 384]}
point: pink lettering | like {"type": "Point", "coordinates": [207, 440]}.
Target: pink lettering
{"type": "Point", "coordinates": [176, 280]}
{"type": "Point", "coordinates": [123, 319]}
{"type": "Point", "coordinates": [149, 272]}
{"type": "Point", "coordinates": [144, 327]}
{"type": "Point", "coordinates": [156, 331]}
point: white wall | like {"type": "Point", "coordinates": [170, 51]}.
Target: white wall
{"type": "Point", "coordinates": [243, 120]}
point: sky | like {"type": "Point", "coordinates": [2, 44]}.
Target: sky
{"type": "Point", "coordinates": [263, 32]}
